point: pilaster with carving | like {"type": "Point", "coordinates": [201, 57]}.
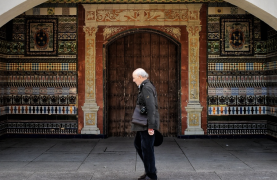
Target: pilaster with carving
{"type": "Point", "coordinates": [90, 107]}
{"type": "Point", "coordinates": [194, 108]}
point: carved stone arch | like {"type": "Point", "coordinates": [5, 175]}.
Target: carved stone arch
{"type": "Point", "coordinates": [98, 16]}
{"type": "Point", "coordinates": [138, 30]}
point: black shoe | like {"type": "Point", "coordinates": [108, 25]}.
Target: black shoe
{"type": "Point", "coordinates": [142, 177]}
{"type": "Point", "coordinates": [148, 178]}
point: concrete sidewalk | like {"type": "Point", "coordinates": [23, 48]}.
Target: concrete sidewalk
{"type": "Point", "coordinates": [115, 158]}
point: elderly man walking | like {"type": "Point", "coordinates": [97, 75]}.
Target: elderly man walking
{"type": "Point", "coordinates": [145, 138]}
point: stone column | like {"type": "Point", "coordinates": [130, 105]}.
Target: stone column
{"type": "Point", "coordinates": [194, 108]}
{"type": "Point", "coordinates": [90, 107]}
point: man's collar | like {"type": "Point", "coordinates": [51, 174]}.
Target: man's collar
{"type": "Point", "coordinates": [143, 82]}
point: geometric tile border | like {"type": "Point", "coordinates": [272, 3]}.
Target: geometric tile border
{"type": "Point", "coordinates": [41, 128]}
{"type": "Point", "coordinates": [237, 110]}
{"type": "Point", "coordinates": [62, 110]}
{"type": "Point", "coordinates": [237, 128]}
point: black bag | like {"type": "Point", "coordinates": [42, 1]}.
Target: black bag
{"type": "Point", "coordinates": [138, 118]}
{"type": "Point", "coordinates": [158, 138]}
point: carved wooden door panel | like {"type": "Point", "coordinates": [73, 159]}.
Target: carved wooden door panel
{"type": "Point", "coordinates": [158, 56]}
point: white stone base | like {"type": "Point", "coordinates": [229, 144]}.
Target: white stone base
{"type": "Point", "coordinates": [90, 118]}
{"type": "Point", "coordinates": [194, 119]}
{"type": "Point", "coordinates": [194, 132]}
{"type": "Point", "coordinates": [90, 131]}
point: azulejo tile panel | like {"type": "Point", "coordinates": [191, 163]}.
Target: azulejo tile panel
{"type": "Point", "coordinates": [67, 19]}
{"type": "Point", "coordinates": [213, 35]}
{"type": "Point", "coordinates": [68, 27]}
{"type": "Point", "coordinates": [213, 47]}
{"type": "Point", "coordinates": [237, 37]}
{"type": "Point", "coordinates": [41, 37]}
{"type": "Point", "coordinates": [67, 47]}
{"type": "Point", "coordinates": [65, 36]}
{"type": "Point", "coordinates": [260, 47]}
{"type": "Point", "coordinates": [18, 28]}
{"type": "Point", "coordinates": [18, 37]}
{"type": "Point", "coordinates": [14, 48]}
{"type": "Point", "coordinates": [213, 27]}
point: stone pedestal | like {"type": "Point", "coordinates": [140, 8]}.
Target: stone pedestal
{"type": "Point", "coordinates": [194, 120]}
{"type": "Point", "coordinates": [90, 119]}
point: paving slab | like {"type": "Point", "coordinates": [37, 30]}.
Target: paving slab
{"type": "Point", "coordinates": [95, 166]}
{"type": "Point", "coordinates": [61, 176]}
{"type": "Point", "coordinates": [111, 157]}
{"type": "Point", "coordinates": [18, 157]}
{"type": "Point", "coordinates": [270, 165]}
{"type": "Point", "coordinates": [247, 175]}
{"type": "Point", "coordinates": [264, 141]}
{"type": "Point", "coordinates": [218, 166]}
{"type": "Point", "coordinates": [12, 175]}
{"type": "Point", "coordinates": [203, 149]}
{"type": "Point", "coordinates": [167, 175]}
{"type": "Point", "coordinates": [237, 142]}
{"type": "Point", "coordinates": [61, 157]}
{"type": "Point", "coordinates": [197, 143]}
{"type": "Point", "coordinates": [168, 148]}
{"type": "Point", "coordinates": [24, 150]}
{"type": "Point", "coordinates": [246, 156]}
{"type": "Point", "coordinates": [8, 142]}
{"type": "Point", "coordinates": [250, 149]}
{"type": "Point", "coordinates": [120, 147]}
{"type": "Point", "coordinates": [12, 166]}
{"type": "Point", "coordinates": [76, 146]}
{"type": "Point", "coordinates": [52, 167]}
{"type": "Point", "coordinates": [118, 139]}
{"type": "Point", "coordinates": [33, 142]}
{"type": "Point", "coordinates": [223, 156]}
{"type": "Point", "coordinates": [168, 162]}
{"type": "Point", "coordinates": [99, 149]}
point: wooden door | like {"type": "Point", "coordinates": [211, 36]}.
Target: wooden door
{"type": "Point", "coordinates": [158, 56]}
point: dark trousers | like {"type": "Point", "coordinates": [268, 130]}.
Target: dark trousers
{"type": "Point", "coordinates": [144, 144]}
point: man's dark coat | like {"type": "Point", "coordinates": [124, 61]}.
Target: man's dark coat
{"type": "Point", "coordinates": [148, 97]}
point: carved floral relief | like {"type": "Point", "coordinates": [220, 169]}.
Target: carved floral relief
{"type": "Point", "coordinates": [122, 15]}
{"type": "Point", "coordinates": [110, 31]}
{"type": "Point", "coordinates": [174, 31]}
{"type": "Point", "coordinates": [90, 119]}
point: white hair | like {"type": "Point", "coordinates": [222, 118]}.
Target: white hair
{"type": "Point", "coordinates": [141, 72]}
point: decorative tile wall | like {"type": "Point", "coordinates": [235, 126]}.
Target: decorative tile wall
{"type": "Point", "coordinates": [240, 84]}
{"type": "Point", "coordinates": [37, 80]}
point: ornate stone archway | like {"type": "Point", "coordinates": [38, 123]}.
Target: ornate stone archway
{"type": "Point", "coordinates": [136, 15]}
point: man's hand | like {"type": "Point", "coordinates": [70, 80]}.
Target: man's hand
{"type": "Point", "coordinates": [151, 132]}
